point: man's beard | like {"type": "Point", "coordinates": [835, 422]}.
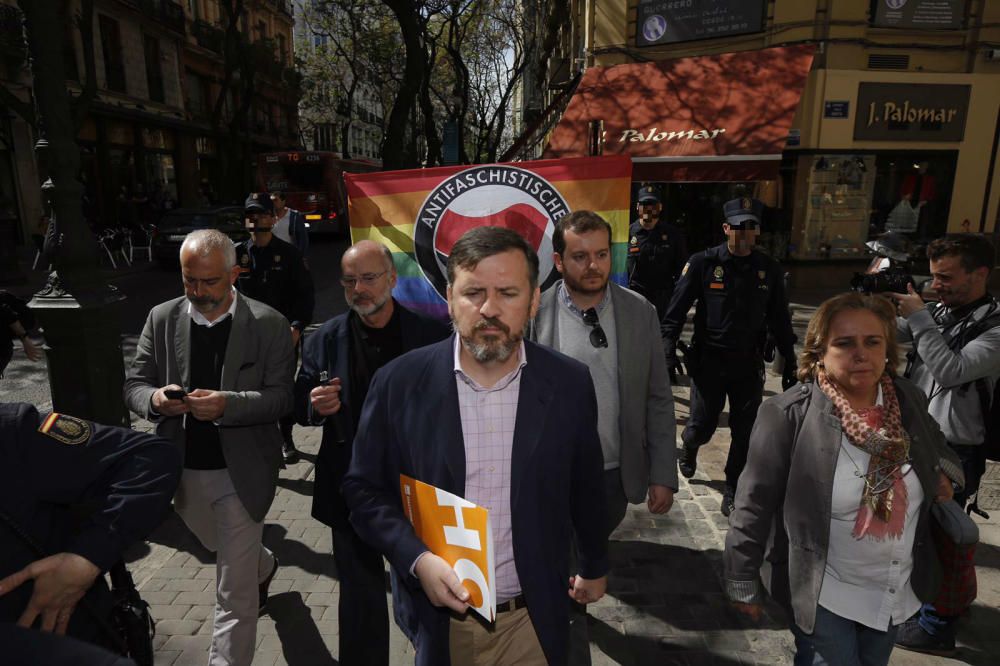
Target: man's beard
{"type": "Point", "coordinates": [578, 287]}
{"type": "Point", "coordinates": [378, 302]}
{"type": "Point", "coordinates": [492, 347]}
{"type": "Point", "coordinates": [205, 304]}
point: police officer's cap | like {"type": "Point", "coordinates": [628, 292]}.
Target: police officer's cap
{"type": "Point", "coordinates": [259, 202]}
{"type": "Point", "coordinates": [648, 195]}
{"type": "Point", "coordinates": [743, 212]}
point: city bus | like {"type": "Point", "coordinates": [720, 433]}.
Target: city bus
{"type": "Point", "coordinates": [314, 184]}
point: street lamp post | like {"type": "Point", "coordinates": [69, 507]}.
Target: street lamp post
{"type": "Point", "coordinates": [79, 313]}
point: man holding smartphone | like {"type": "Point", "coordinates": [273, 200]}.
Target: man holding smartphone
{"type": "Point", "coordinates": [338, 362]}
{"type": "Point", "coordinates": [236, 354]}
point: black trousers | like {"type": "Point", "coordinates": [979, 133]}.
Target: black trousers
{"type": "Point", "coordinates": [718, 377]}
{"type": "Point", "coordinates": [363, 609]}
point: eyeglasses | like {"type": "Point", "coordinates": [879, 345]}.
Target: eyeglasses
{"type": "Point", "coordinates": [598, 338]}
{"type": "Point", "coordinates": [368, 279]}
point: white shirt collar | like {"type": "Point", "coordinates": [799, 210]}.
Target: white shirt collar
{"type": "Point", "coordinates": [199, 318]}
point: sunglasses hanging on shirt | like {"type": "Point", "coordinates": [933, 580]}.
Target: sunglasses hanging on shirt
{"type": "Point", "coordinates": [598, 338]}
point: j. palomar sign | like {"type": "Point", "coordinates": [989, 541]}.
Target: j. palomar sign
{"type": "Point", "coordinates": [911, 112]}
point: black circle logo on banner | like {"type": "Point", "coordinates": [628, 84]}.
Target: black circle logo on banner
{"type": "Point", "coordinates": [492, 195]}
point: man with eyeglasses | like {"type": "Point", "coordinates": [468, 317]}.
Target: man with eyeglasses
{"type": "Point", "coordinates": [741, 295]}
{"type": "Point", "coordinates": [338, 363]}
{"type": "Point", "coordinates": [273, 271]}
{"type": "Point", "coordinates": [213, 370]}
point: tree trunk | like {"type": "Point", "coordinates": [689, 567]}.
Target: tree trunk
{"type": "Point", "coordinates": [397, 151]}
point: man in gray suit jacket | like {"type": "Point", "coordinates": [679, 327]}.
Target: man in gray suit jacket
{"type": "Point", "coordinates": [213, 370]}
{"type": "Point", "coordinates": [615, 332]}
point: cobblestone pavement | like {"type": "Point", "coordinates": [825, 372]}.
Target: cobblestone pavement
{"type": "Point", "coordinates": [664, 605]}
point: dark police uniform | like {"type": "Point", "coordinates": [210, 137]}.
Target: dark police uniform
{"type": "Point", "coordinates": [78, 487]}
{"type": "Point", "coordinates": [276, 275]}
{"type": "Point", "coordinates": [655, 259]}
{"type": "Point", "coordinates": [739, 300]}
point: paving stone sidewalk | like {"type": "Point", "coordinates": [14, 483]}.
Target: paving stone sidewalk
{"type": "Point", "coordinates": [664, 605]}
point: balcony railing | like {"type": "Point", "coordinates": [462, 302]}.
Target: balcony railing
{"type": "Point", "coordinates": [208, 36]}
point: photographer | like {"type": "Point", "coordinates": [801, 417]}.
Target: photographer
{"type": "Point", "coordinates": [956, 354]}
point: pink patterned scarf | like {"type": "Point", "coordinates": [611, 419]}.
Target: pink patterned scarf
{"type": "Point", "coordinates": [879, 432]}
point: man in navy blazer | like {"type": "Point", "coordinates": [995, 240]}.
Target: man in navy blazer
{"type": "Point", "coordinates": [349, 348]}
{"type": "Point", "coordinates": [506, 424]}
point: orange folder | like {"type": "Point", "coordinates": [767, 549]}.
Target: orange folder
{"type": "Point", "coordinates": [457, 531]}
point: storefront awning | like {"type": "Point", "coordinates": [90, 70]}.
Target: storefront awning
{"type": "Point", "coordinates": [722, 118]}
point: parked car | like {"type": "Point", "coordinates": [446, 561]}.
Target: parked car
{"type": "Point", "coordinates": [170, 231]}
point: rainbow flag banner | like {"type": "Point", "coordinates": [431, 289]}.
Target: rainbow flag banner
{"type": "Point", "coordinates": [419, 214]}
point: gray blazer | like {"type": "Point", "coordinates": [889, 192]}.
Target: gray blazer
{"type": "Point", "coordinates": [793, 454]}
{"type": "Point", "coordinates": [256, 378]}
{"type": "Point", "coordinates": [646, 419]}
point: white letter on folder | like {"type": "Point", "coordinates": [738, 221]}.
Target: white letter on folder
{"type": "Point", "coordinates": [458, 535]}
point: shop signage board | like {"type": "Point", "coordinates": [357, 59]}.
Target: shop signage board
{"type": "Point", "coordinates": [836, 109]}
{"type": "Point", "coordinates": [672, 21]}
{"type": "Point", "coordinates": [919, 14]}
{"type": "Point", "coordinates": [911, 112]}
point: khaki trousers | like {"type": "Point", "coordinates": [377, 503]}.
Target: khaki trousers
{"type": "Point", "coordinates": [209, 506]}
{"type": "Point", "coordinates": [510, 642]}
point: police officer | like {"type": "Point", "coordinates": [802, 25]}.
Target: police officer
{"type": "Point", "coordinates": [656, 252]}
{"type": "Point", "coordinates": [274, 272]}
{"type": "Point", "coordinates": [741, 295]}
{"type": "Point", "coordinates": [80, 493]}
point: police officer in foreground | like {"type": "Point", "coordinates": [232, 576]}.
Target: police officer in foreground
{"type": "Point", "coordinates": [741, 295]}
{"type": "Point", "coordinates": [656, 252]}
{"type": "Point", "coordinates": [81, 493]}
{"type": "Point", "coordinates": [274, 272]}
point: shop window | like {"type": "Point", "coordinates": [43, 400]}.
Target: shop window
{"type": "Point", "coordinates": [838, 204]}
{"type": "Point", "coordinates": [282, 50]}
{"type": "Point", "coordinates": [111, 49]}
{"type": "Point", "coordinates": [154, 70]}
{"type": "Point", "coordinates": [69, 42]}
{"type": "Point", "coordinates": [913, 194]}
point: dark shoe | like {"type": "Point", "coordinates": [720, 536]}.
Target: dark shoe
{"type": "Point", "coordinates": [262, 588]}
{"type": "Point", "coordinates": [911, 636]}
{"type": "Point", "coordinates": [289, 453]}
{"type": "Point", "coordinates": [687, 462]}
{"type": "Point", "coordinates": [728, 501]}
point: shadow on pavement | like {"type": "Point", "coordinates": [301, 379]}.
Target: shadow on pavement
{"type": "Point", "coordinates": [173, 533]}
{"type": "Point", "coordinates": [987, 556]}
{"type": "Point", "coordinates": [300, 486]}
{"type": "Point", "coordinates": [301, 642]}
{"type": "Point", "coordinates": [718, 485]}
{"type": "Point", "coordinates": [977, 635]}
{"type": "Point", "coordinates": [640, 650]}
{"type": "Point", "coordinates": [296, 554]}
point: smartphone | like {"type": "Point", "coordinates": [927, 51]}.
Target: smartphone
{"type": "Point", "coordinates": [175, 394]}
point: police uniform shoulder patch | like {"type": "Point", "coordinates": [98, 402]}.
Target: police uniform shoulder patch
{"type": "Point", "coordinates": [65, 429]}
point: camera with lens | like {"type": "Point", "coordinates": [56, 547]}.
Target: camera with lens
{"type": "Point", "coordinates": [891, 279]}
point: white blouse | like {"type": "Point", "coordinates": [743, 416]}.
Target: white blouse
{"type": "Point", "coordinates": [866, 580]}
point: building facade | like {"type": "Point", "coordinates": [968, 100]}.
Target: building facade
{"type": "Point", "coordinates": [152, 137]}
{"type": "Point", "coordinates": [897, 126]}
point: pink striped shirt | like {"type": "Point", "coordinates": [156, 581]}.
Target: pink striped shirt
{"type": "Point", "coordinates": [488, 417]}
